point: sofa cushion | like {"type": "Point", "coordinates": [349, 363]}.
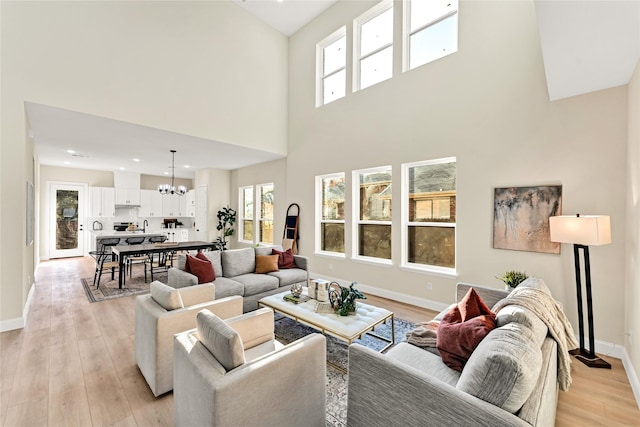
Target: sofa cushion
{"type": "Point", "coordinates": [266, 263]}
{"type": "Point", "coordinates": [524, 316]}
{"type": "Point", "coordinates": [257, 283]}
{"type": "Point", "coordinates": [226, 287]}
{"type": "Point", "coordinates": [424, 361]}
{"type": "Point", "coordinates": [504, 368]}
{"type": "Point", "coordinates": [201, 268]}
{"type": "Point", "coordinates": [222, 341]}
{"type": "Point", "coordinates": [238, 261]}
{"type": "Point", "coordinates": [169, 298]}
{"type": "Point", "coordinates": [285, 259]}
{"type": "Point", "coordinates": [216, 261]}
{"type": "Point", "coordinates": [266, 250]}
{"type": "Point", "coordinates": [462, 328]}
{"type": "Point", "coordinates": [290, 276]}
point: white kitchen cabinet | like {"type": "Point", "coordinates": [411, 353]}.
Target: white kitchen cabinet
{"type": "Point", "coordinates": [190, 199]}
{"type": "Point", "coordinates": [184, 235]}
{"type": "Point", "coordinates": [150, 204]}
{"type": "Point", "coordinates": [102, 202]}
{"type": "Point", "coordinates": [127, 197]}
{"type": "Point", "coordinates": [171, 205]}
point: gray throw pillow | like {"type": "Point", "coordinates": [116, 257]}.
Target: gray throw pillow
{"type": "Point", "coordinates": [222, 341]}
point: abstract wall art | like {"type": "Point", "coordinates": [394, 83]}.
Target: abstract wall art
{"type": "Point", "coordinates": [521, 218]}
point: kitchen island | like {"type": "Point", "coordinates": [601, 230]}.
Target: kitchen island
{"type": "Point", "coordinates": [122, 235]}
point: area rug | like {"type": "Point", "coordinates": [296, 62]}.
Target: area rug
{"type": "Point", "coordinates": [287, 330]}
{"type": "Point", "coordinates": [109, 288]}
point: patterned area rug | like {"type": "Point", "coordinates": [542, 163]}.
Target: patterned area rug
{"type": "Point", "coordinates": [109, 288]}
{"type": "Point", "coordinates": [287, 330]}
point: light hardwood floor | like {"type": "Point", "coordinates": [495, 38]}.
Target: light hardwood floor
{"type": "Point", "coordinates": [74, 365]}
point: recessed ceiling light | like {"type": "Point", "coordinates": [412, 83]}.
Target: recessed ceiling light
{"type": "Point", "coordinates": [166, 173]}
{"type": "Point", "coordinates": [136, 160]}
{"type": "Point", "coordinates": [121, 168]}
{"type": "Point", "coordinates": [71, 151]}
{"type": "Point", "coordinates": [187, 166]}
{"type": "Point", "coordinates": [67, 163]}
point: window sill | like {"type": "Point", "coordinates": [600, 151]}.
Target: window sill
{"type": "Point", "coordinates": [448, 273]}
{"type": "Point", "coordinates": [373, 261]}
{"type": "Point", "coordinates": [330, 254]}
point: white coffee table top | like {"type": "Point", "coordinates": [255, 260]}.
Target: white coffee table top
{"type": "Point", "coordinates": [348, 328]}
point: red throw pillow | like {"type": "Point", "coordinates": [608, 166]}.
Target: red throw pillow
{"type": "Point", "coordinates": [462, 329]}
{"type": "Point", "coordinates": [285, 259]}
{"type": "Point", "coordinates": [201, 268]}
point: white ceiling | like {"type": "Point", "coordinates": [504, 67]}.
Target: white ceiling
{"type": "Point", "coordinates": [587, 45]}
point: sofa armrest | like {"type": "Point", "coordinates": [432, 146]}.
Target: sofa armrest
{"type": "Point", "coordinates": [177, 278]}
{"type": "Point", "coordinates": [197, 294]}
{"type": "Point", "coordinates": [254, 327]}
{"type": "Point", "coordinates": [385, 392]}
{"type": "Point", "coordinates": [489, 295]}
{"type": "Point", "coordinates": [302, 262]}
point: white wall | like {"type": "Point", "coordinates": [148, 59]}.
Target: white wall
{"type": "Point", "coordinates": [207, 69]}
{"type": "Point", "coordinates": [632, 289]}
{"type": "Point", "coordinates": [487, 105]}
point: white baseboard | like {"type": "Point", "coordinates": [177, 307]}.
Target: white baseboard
{"type": "Point", "coordinates": [632, 375]}
{"type": "Point", "coordinates": [19, 322]}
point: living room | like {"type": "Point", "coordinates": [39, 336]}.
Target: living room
{"type": "Point", "coordinates": [181, 67]}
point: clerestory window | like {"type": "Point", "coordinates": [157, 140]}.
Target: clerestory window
{"type": "Point", "coordinates": [331, 61]}
{"type": "Point", "coordinates": [373, 46]}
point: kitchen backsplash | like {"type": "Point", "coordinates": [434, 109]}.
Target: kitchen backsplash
{"type": "Point", "coordinates": [131, 215]}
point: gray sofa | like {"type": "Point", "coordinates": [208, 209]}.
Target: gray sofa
{"type": "Point", "coordinates": [509, 380]}
{"type": "Point", "coordinates": [235, 275]}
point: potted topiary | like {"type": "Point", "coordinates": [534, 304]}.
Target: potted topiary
{"type": "Point", "coordinates": [226, 219]}
{"type": "Point", "coordinates": [513, 278]}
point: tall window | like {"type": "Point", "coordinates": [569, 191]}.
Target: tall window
{"type": "Point", "coordinates": [429, 193]}
{"type": "Point", "coordinates": [265, 221]}
{"type": "Point", "coordinates": [373, 46]}
{"type": "Point", "coordinates": [330, 213]}
{"type": "Point", "coordinates": [331, 60]}
{"type": "Point", "coordinates": [431, 31]}
{"type": "Point", "coordinates": [245, 222]}
{"type": "Point", "coordinates": [372, 209]}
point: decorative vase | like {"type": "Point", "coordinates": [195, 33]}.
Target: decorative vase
{"type": "Point", "coordinates": [296, 289]}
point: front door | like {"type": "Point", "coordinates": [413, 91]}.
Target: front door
{"type": "Point", "coordinates": [67, 216]}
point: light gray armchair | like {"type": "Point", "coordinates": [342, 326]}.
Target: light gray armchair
{"type": "Point", "coordinates": [162, 314]}
{"type": "Point", "coordinates": [234, 373]}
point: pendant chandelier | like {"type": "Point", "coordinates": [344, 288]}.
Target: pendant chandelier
{"type": "Point", "coordinates": [171, 189]}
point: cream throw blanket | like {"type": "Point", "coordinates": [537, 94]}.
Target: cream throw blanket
{"type": "Point", "coordinates": [542, 304]}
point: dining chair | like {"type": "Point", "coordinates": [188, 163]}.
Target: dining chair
{"type": "Point", "coordinates": [105, 259]}
{"type": "Point", "coordinates": [136, 258]}
{"type": "Point", "coordinates": [161, 261]}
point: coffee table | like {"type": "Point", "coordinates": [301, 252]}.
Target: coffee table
{"type": "Point", "coordinates": [345, 328]}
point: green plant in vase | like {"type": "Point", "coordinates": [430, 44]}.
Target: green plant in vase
{"type": "Point", "coordinates": [226, 219]}
{"type": "Point", "coordinates": [342, 299]}
{"type": "Point", "coordinates": [513, 278]}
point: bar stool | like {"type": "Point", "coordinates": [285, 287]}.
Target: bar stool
{"type": "Point", "coordinates": [164, 260]}
{"type": "Point", "coordinates": [105, 259]}
{"type": "Point", "coordinates": [135, 258]}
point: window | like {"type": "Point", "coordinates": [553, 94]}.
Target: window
{"type": "Point", "coordinates": [429, 231]}
{"type": "Point", "coordinates": [331, 60]}
{"type": "Point", "coordinates": [372, 213]}
{"type": "Point", "coordinates": [245, 223]}
{"type": "Point", "coordinates": [430, 31]}
{"type": "Point", "coordinates": [373, 49]}
{"type": "Point", "coordinates": [264, 199]}
{"type": "Point", "coordinates": [330, 213]}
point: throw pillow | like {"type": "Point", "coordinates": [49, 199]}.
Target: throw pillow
{"type": "Point", "coordinates": [285, 259]}
{"type": "Point", "coordinates": [169, 298]}
{"type": "Point", "coordinates": [222, 341]}
{"type": "Point", "coordinates": [462, 329]}
{"type": "Point", "coordinates": [201, 268]}
{"type": "Point", "coordinates": [266, 263]}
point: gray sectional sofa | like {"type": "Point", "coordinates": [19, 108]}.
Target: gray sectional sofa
{"type": "Point", "coordinates": [235, 275]}
{"type": "Point", "coordinates": [510, 378]}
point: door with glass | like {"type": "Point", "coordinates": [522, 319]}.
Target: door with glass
{"type": "Point", "coordinates": [67, 216]}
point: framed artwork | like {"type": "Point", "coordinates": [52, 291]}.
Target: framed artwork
{"type": "Point", "coordinates": [521, 218]}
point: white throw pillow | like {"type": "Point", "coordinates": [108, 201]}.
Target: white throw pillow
{"type": "Point", "coordinates": [169, 298]}
{"type": "Point", "coordinates": [222, 341]}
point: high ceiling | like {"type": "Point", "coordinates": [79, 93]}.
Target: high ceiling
{"type": "Point", "coordinates": [586, 46]}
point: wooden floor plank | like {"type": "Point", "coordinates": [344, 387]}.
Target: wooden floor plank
{"type": "Point", "coordinates": [74, 364]}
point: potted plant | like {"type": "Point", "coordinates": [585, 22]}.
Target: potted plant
{"type": "Point", "coordinates": [513, 278]}
{"type": "Point", "coordinates": [343, 300]}
{"type": "Point", "coordinates": [226, 219]}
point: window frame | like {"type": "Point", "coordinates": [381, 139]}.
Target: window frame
{"type": "Point", "coordinates": [372, 13]}
{"type": "Point", "coordinates": [241, 217]}
{"type": "Point", "coordinates": [405, 224]}
{"type": "Point", "coordinates": [258, 213]}
{"type": "Point", "coordinates": [356, 221]}
{"type": "Point", "coordinates": [319, 217]}
{"type": "Point", "coordinates": [407, 33]}
{"type": "Point", "coordinates": [320, 76]}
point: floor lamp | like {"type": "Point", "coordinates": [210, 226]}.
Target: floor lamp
{"type": "Point", "coordinates": [583, 231]}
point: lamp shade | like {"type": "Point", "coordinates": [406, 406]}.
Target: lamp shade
{"type": "Point", "coordinates": [589, 230]}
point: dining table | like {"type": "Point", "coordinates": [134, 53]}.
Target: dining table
{"type": "Point", "coordinates": [122, 251]}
